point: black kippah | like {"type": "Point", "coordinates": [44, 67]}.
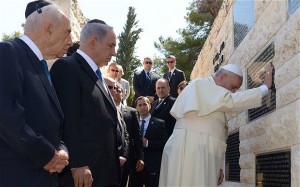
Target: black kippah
{"type": "Point", "coordinates": [96, 21]}
{"type": "Point", "coordinates": [35, 6]}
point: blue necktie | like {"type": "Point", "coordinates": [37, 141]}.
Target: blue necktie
{"type": "Point", "coordinates": [45, 67]}
{"type": "Point", "coordinates": [99, 74]}
{"type": "Point", "coordinates": [170, 75]}
{"type": "Point", "coordinates": [143, 127]}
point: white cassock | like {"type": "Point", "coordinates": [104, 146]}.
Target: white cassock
{"type": "Point", "coordinates": [193, 154]}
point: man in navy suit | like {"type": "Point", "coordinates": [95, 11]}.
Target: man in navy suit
{"type": "Point", "coordinates": [31, 151]}
{"type": "Point", "coordinates": [91, 125]}
{"type": "Point", "coordinates": [155, 136]}
{"type": "Point", "coordinates": [174, 75]}
{"type": "Point", "coordinates": [161, 107]}
{"type": "Point", "coordinates": [144, 82]}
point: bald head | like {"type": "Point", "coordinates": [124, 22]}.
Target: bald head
{"type": "Point", "coordinates": [162, 88]}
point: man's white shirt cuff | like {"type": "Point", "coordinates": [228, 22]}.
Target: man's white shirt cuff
{"type": "Point", "coordinates": [264, 90]}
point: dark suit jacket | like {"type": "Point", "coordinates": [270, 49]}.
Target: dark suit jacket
{"type": "Point", "coordinates": [135, 137]}
{"type": "Point", "coordinates": [91, 118]}
{"type": "Point", "coordinates": [177, 77]}
{"type": "Point", "coordinates": [163, 112]}
{"type": "Point", "coordinates": [157, 136]}
{"type": "Point", "coordinates": [142, 86]}
{"type": "Point", "coordinates": [31, 118]}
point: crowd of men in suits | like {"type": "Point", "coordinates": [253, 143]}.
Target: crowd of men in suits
{"type": "Point", "coordinates": [148, 122]}
{"type": "Point", "coordinates": [71, 126]}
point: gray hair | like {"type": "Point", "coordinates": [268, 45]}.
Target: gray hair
{"type": "Point", "coordinates": [50, 13]}
{"type": "Point", "coordinates": [94, 29]}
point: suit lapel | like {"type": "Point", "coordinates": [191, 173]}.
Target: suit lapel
{"type": "Point", "coordinates": [162, 104]}
{"type": "Point", "coordinates": [150, 126]}
{"type": "Point", "coordinates": [94, 77]}
{"type": "Point", "coordinates": [41, 74]}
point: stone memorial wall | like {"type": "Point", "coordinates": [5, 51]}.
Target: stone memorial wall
{"type": "Point", "coordinates": [272, 26]}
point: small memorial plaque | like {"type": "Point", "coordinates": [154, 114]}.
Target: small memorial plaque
{"type": "Point", "coordinates": [273, 170]}
{"type": "Point", "coordinates": [255, 78]}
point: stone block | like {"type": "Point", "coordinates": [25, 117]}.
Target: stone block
{"type": "Point", "coordinates": [248, 176]}
{"type": "Point", "coordinates": [274, 131]}
{"type": "Point", "coordinates": [287, 71]}
{"type": "Point", "coordinates": [259, 7]}
{"type": "Point", "coordinates": [287, 40]}
{"type": "Point", "coordinates": [269, 22]}
{"type": "Point", "coordinates": [288, 93]}
{"type": "Point", "coordinates": [247, 161]}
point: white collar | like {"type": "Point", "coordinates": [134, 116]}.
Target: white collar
{"type": "Point", "coordinates": [172, 71]}
{"type": "Point", "coordinates": [88, 59]}
{"type": "Point", "coordinates": [32, 46]}
{"type": "Point", "coordinates": [147, 119]}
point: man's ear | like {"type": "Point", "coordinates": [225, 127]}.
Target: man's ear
{"type": "Point", "coordinates": [48, 29]}
{"type": "Point", "coordinates": [92, 41]}
{"type": "Point", "coordinates": [223, 76]}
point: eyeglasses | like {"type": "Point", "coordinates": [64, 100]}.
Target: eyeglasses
{"type": "Point", "coordinates": [170, 62]}
{"type": "Point", "coordinates": [115, 70]}
{"type": "Point", "coordinates": [111, 87]}
{"type": "Point", "coordinates": [148, 63]}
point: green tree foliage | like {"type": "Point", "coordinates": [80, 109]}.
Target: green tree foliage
{"type": "Point", "coordinates": [186, 48]}
{"type": "Point", "coordinates": [127, 40]}
{"type": "Point", "coordinates": [159, 65]}
{"type": "Point", "coordinates": [125, 54]}
{"type": "Point", "coordinates": [11, 36]}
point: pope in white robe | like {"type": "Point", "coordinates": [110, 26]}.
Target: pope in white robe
{"type": "Point", "coordinates": [194, 153]}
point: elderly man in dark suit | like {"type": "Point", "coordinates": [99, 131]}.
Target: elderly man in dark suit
{"type": "Point", "coordinates": [174, 75]}
{"type": "Point", "coordinates": [144, 82]}
{"type": "Point", "coordinates": [155, 136]}
{"type": "Point", "coordinates": [161, 107]}
{"type": "Point", "coordinates": [91, 126]}
{"type": "Point", "coordinates": [31, 117]}
{"type": "Point", "coordinates": [136, 154]}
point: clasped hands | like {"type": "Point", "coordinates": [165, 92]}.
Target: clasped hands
{"type": "Point", "coordinates": [58, 162]}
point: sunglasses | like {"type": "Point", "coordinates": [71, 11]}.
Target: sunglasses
{"type": "Point", "coordinates": [170, 62]}
{"type": "Point", "coordinates": [119, 91]}
{"type": "Point", "coordinates": [148, 63]}
{"type": "Point", "coordinates": [114, 70]}
{"type": "Point", "coordinates": [111, 87]}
